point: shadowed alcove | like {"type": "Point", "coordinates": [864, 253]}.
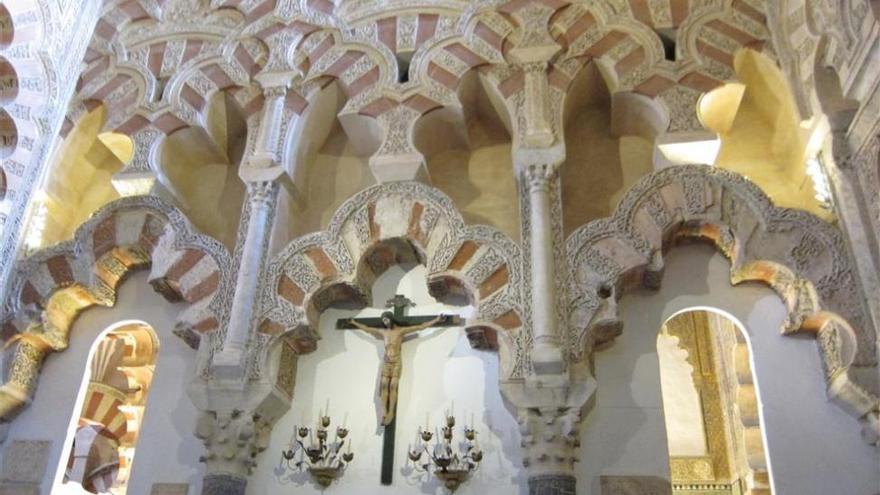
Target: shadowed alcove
{"type": "Point", "coordinates": [326, 167]}
{"type": "Point", "coordinates": [79, 181]}
{"type": "Point", "coordinates": [468, 153]}
{"type": "Point", "coordinates": [599, 166]}
{"type": "Point", "coordinates": [200, 169]}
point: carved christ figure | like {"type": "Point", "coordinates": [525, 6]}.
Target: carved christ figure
{"type": "Point", "coordinates": [392, 334]}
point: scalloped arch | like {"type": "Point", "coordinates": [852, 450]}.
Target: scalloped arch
{"type": "Point", "coordinates": [799, 256]}
{"type": "Point", "coordinates": [383, 226]}
{"type": "Point", "coordinates": [54, 285]}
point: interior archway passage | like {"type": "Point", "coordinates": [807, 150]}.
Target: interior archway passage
{"type": "Point", "coordinates": [711, 406]}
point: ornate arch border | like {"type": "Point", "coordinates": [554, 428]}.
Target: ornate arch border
{"type": "Point", "coordinates": [389, 224]}
{"type": "Point", "coordinates": [804, 259]}
{"type": "Point", "coordinates": [52, 287]}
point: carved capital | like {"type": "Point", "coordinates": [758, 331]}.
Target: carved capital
{"type": "Point", "coordinates": [232, 441]}
{"type": "Point", "coordinates": [840, 150]}
{"type": "Point", "coordinates": [549, 418]}
{"type": "Point", "coordinates": [550, 439]}
{"type": "Point", "coordinates": [262, 193]}
{"type": "Point", "coordinates": [275, 92]}
{"type": "Point", "coordinates": [538, 67]}
{"type": "Point", "coordinates": [539, 176]}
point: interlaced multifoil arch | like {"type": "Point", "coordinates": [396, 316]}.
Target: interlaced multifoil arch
{"type": "Point", "coordinates": [802, 258]}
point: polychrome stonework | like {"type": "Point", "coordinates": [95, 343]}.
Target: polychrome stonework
{"type": "Point", "coordinates": [269, 162]}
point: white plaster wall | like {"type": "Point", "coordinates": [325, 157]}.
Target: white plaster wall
{"type": "Point", "coordinates": [439, 367]}
{"type": "Point", "coordinates": [166, 451]}
{"type": "Point", "coordinates": [813, 446]}
{"type": "Point", "coordinates": [681, 399]}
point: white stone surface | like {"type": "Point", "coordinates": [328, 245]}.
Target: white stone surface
{"type": "Point", "coordinates": [166, 450]}
{"type": "Point", "coordinates": [681, 400]}
{"type": "Point", "coordinates": [439, 367]}
{"type": "Point", "coordinates": [625, 433]}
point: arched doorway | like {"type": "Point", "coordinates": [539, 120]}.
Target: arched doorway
{"type": "Point", "coordinates": [711, 406]}
{"type": "Point", "coordinates": [101, 440]}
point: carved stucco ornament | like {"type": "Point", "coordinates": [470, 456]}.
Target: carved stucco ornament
{"type": "Point", "coordinates": [383, 226]}
{"type": "Point", "coordinates": [801, 257]}
{"type": "Point", "coordinates": [54, 285]}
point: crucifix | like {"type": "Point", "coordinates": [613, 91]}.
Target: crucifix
{"type": "Point", "coordinates": [391, 328]}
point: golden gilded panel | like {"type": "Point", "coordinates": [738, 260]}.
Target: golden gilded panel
{"type": "Point", "coordinates": [693, 332]}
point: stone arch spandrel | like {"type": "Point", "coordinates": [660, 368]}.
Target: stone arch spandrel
{"type": "Point", "coordinates": [801, 257]}
{"type": "Point", "coordinates": [52, 287]}
{"type": "Point", "coordinates": [389, 224]}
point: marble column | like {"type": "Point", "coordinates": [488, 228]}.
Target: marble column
{"type": "Point", "coordinates": [261, 199]}
{"type": "Point", "coordinates": [260, 173]}
{"type": "Point", "coordinates": [237, 414]}
{"type": "Point", "coordinates": [540, 179]}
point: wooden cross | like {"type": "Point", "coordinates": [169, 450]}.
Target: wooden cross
{"type": "Point", "coordinates": [391, 328]}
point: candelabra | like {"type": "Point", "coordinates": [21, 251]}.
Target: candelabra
{"type": "Point", "coordinates": [323, 459]}
{"type": "Point", "coordinates": [452, 468]}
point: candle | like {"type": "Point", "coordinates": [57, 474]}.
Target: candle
{"type": "Point", "coordinates": [427, 424]}
{"type": "Point", "coordinates": [472, 420]}
{"type": "Point", "coordinates": [452, 410]}
{"type": "Point", "coordinates": [327, 407]}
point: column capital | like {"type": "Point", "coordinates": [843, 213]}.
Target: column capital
{"type": "Point", "coordinates": [275, 92]}
{"type": "Point", "coordinates": [232, 441]}
{"type": "Point", "coordinates": [262, 193]}
{"type": "Point", "coordinates": [539, 175]}
{"type": "Point", "coordinates": [276, 80]}
{"type": "Point", "coordinates": [532, 67]}
{"type": "Point", "coordinates": [525, 158]}
{"type": "Point", "coordinates": [549, 419]}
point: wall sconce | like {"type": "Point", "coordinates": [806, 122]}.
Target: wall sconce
{"type": "Point", "coordinates": [324, 459]}
{"type": "Point", "coordinates": [448, 466]}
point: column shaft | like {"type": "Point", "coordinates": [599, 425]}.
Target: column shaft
{"type": "Point", "coordinates": [261, 196]}
{"type": "Point", "coordinates": [546, 354]}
